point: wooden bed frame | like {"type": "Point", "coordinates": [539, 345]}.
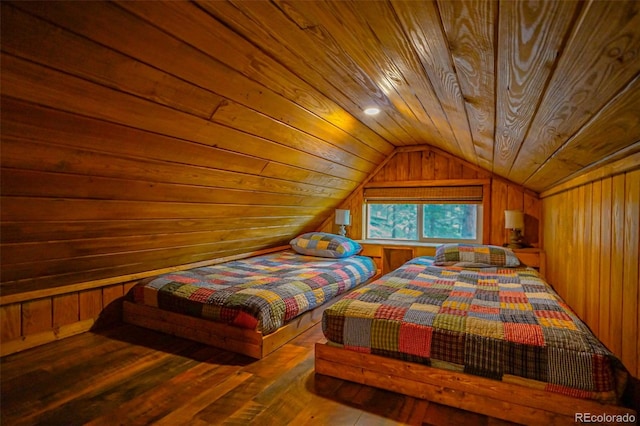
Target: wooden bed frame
{"type": "Point", "coordinates": [507, 401]}
{"type": "Point", "coordinates": [235, 339]}
{"type": "Point", "coordinates": [493, 398]}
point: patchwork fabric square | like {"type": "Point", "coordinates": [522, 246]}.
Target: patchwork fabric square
{"type": "Point", "coordinates": [415, 339]}
{"type": "Point", "coordinates": [448, 346]}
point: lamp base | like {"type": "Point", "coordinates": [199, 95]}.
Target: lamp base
{"type": "Point", "coordinates": [343, 231]}
{"type": "Point", "coordinates": [515, 240]}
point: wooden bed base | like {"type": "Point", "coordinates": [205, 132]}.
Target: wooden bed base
{"type": "Point", "coordinates": [494, 398]}
{"type": "Point", "coordinates": [235, 339]}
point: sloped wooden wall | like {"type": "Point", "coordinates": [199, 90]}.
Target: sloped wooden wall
{"type": "Point", "coordinates": [138, 136]}
{"type": "Point", "coordinates": [592, 237]}
{"type": "Point", "coordinates": [431, 164]}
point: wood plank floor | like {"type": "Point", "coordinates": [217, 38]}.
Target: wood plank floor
{"type": "Point", "coordinates": [129, 375]}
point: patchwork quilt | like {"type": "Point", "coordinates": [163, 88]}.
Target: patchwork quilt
{"type": "Point", "coordinates": [502, 323]}
{"type": "Point", "coordinates": [260, 293]}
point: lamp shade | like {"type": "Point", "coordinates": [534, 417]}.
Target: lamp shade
{"type": "Point", "coordinates": [513, 219]}
{"type": "Point", "coordinates": [343, 217]}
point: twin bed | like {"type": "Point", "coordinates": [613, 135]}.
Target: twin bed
{"type": "Point", "coordinates": [469, 328]}
{"type": "Point", "coordinates": [252, 306]}
{"type": "Point", "coordinates": [472, 329]}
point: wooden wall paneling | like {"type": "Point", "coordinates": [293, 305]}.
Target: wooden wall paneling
{"type": "Point", "coordinates": [60, 128]}
{"type": "Point", "coordinates": [455, 170]}
{"type": "Point", "coordinates": [580, 243]}
{"type": "Point", "coordinates": [617, 263]}
{"type": "Point", "coordinates": [23, 120]}
{"type": "Point", "coordinates": [46, 184]}
{"type": "Point", "coordinates": [66, 309]}
{"type": "Point", "coordinates": [10, 322]}
{"type": "Point", "coordinates": [157, 176]}
{"type": "Point", "coordinates": [57, 272]}
{"type": "Point", "coordinates": [562, 231]}
{"type": "Point", "coordinates": [197, 66]}
{"type": "Point", "coordinates": [36, 316]}
{"type": "Point", "coordinates": [389, 171]}
{"type": "Point", "coordinates": [593, 305]}
{"type": "Point", "coordinates": [403, 170]}
{"type": "Point", "coordinates": [415, 165]}
{"type": "Point", "coordinates": [441, 167]}
{"type": "Point", "coordinates": [630, 288]}
{"type": "Point", "coordinates": [24, 232]}
{"type": "Point", "coordinates": [532, 219]}
{"type": "Point", "coordinates": [469, 173]}
{"type": "Point", "coordinates": [592, 237]}
{"type": "Point", "coordinates": [435, 164]}
{"type": "Point", "coordinates": [111, 293]}
{"type": "Point", "coordinates": [499, 202]}
{"type": "Point", "coordinates": [549, 213]}
{"type": "Point", "coordinates": [112, 303]}
{"type": "Point", "coordinates": [606, 259]}
{"type": "Point", "coordinates": [428, 164]}
{"type": "Point", "coordinates": [89, 303]}
{"type": "Point", "coordinates": [84, 209]}
{"type": "Point", "coordinates": [65, 50]}
{"type": "Point", "coordinates": [17, 253]}
{"type": "Point", "coordinates": [234, 115]}
{"type": "Point", "coordinates": [66, 92]}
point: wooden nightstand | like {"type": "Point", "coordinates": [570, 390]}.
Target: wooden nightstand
{"type": "Point", "coordinates": [533, 257]}
{"type": "Point", "coordinates": [389, 256]}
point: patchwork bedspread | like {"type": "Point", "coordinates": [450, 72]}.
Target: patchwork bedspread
{"type": "Point", "coordinates": [260, 293]}
{"type": "Point", "coordinates": [505, 324]}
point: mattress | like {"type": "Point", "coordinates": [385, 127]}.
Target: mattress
{"type": "Point", "coordinates": [260, 293]}
{"type": "Point", "coordinates": [502, 323]}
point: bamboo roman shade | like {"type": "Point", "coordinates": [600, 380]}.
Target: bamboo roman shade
{"type": "Point", "coordinates": [430, 194]}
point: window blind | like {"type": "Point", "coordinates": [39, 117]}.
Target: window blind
{"type": "Point", "coordinates": [430, 194]}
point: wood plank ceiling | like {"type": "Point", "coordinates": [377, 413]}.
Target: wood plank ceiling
{"type": "Point", "coordinates": [242, 121]}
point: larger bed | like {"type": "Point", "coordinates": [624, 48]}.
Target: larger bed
{"type": "Point", "coordinates": [254, 305]}
{"type": "Point", "coordinates": [491, 339]}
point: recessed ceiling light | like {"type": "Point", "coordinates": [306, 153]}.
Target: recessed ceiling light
{"type": "Point", "coordinates": [372, 111]}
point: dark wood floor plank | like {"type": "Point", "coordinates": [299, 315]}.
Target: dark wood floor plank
{"type": "Point", "coordinates": [127, 375]}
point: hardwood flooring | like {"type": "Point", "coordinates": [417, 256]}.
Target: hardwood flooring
{"type": "Point", "coordinates": [133, 376]}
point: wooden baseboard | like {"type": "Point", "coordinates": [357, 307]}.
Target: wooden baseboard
{"type": "Point", "coordinates": [494, 398]}
{"type": "Point", "coordinates": [33, 340]}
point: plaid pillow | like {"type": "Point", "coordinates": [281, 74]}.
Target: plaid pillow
{"type": "Point", "coordinates": [322, 244]}
{"type": "Point", "coordinates": [480, 255]}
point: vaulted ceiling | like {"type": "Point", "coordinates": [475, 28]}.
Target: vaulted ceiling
{"type": "Point", "coordinates": [532, 91]}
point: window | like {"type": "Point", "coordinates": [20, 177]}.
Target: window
{"type": "Point", "coordinates": [428, 214]}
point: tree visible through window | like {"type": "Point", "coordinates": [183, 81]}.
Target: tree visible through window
{"type": "Point", "coordinates": [425, 222]}
{"type": "Point", "coordinates": [393, 221]}
{"type": "Point", "coordinates": [449, 221]}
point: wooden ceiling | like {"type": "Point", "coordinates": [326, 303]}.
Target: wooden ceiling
{"type": "Point", "coordinates": [532, 91]}
{"type": "Point", "coordinates": [140, 135]}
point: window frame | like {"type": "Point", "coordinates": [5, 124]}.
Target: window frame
{"type": "Point", "coordinates": [483, 224]}
{"type": "Point", "coordinates": [420, 223]}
